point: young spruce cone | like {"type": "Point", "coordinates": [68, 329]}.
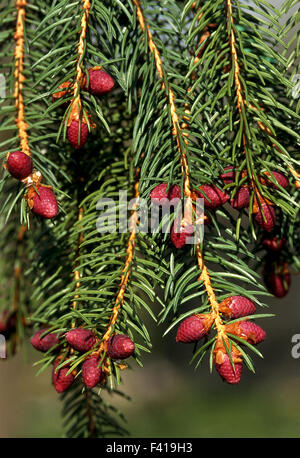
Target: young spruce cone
{"type": "Point", "coordinates": [81, 339]}
{"type": "Point", "coordinates": [120, 346]}
{"type": "Point", "coordinates": [44, 343]}
{"type": "Point", "coordinates": [194, 328]}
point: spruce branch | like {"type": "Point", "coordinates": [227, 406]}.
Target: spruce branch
{"type": "Point", "coordinates": [19, 76]}
{"type": "Point", "coordinates": [254, 112]}
{"type": "Point", "coordinates": [187, 191]}
{"type": "Point", "coordinates": [125, 273]}
{"type": "Point", "coordinates": [22, 167]}
{"type": "Point", "coordinates": [205, 277]}
{"type": "Point", "coordinates": [198, 86]}
{"type": "Point", "coordinates": [81, 49]}
{"type": "Point", "coordinates": [77, 264]}
{"type": "Point", "coordinates": [75, 109]}
{"type": "Point", "coordinates": [176, 129]}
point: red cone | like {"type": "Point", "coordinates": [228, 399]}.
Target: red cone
{"type": "Point", "coordinates": [60, 379]}
{"type": "Point", "coordinates": [19, 165]}
{"type": "Point", "coordinates": [100, 82]}
{"type": "Point", "coordinates": [241, 198]}
{"type": "Point", "coordinates": [81, 339]}
{"type": "Point", "coordinates": [91, 373]}
{"type": "Point", "coordinates": [228, 176]}
{"type": "Point", "coordinates": [120, 346]}
{"type": "Point", "coordinates": [279, 178]}
{"type": "Point", "coordinates": [277, 278]}
{"type": "Point", "coordinates": [247, 330]}
{"type": "Point", "coordinates": [44, 343]}
{"type": "Point", "coordinates": [269, 214]}
{"type": "Point", "coordinates": [73, 133]}
{"type": "Point", "coordinates": [44, 203]}
{"type": "Point", "coordinates": [193, 328]}
{"type": "Point", "coordinates": [254, 333]}
{"type": "Point", "coordinates": [273, 243]}
{"type": "Point", "coordinates": [226, 371]}
{"type": "Point", "coordinates": [180, 234]}
{"type": "Point", "coordinates": [213, 196]}
{"type": "Point", "coordinates": [237, 306]}
{"type": "Point", "coordinates": [7, 323]}
{"type": "Point", "coordinates": [160, 196]}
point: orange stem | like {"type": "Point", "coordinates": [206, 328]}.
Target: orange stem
{"type": "Point", "coordinates": [76, 103]}
{"type": "Point", "coordinates": [176, 129]}
{"type": "Point", "coordinates": [184, 166]}
{"type": "Point", "coordinates": [125, 272]}
{"type": "Point", "coordinates": [239, 92]}
{"type": "Point", "coordinates": [35, 177]}
{"type": "Point", "coordinates": [76, 273]}
{"type": "Point", "coordinates": [19, 77]}
{"type": "Point", "coordinates": [205, 278]}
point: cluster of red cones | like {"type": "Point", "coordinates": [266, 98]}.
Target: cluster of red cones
{"type": "Point", "coordinates": [41, 199]}
{"type": "Point", "coordinates": [119, 347]}
{"type": "Point", "coordinates": [215, 197]}
{"type": "Point", "coordinates": [264, 213]}
{"type": "Point", "coordinates": [98, 83]}
{"type": "Point", "coordinates": [197, 326]}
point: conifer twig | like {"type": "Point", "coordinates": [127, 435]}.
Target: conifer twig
{"type": "Point", "coordinates": [35, 177]}
{"type": "Point", "coordinates": [176, 129]}
{"type": "Point", "coordinates": [241, 103]}
{"type": "Point", "coordinates": [76, 273]}
{"type": "Point", "coordinates": [19, 77]}
{"type": "Point", "coordinates": [125, 272]}
{"type": "Point", "coordinates": [234, 54]}
{"type": "Point", "coordinates": [76, 102]}
{"type": "Point", "coordinates": [204, 277]}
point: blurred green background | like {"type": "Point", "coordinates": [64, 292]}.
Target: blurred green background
{"type": "Point", "coordinates": [170, 399]}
